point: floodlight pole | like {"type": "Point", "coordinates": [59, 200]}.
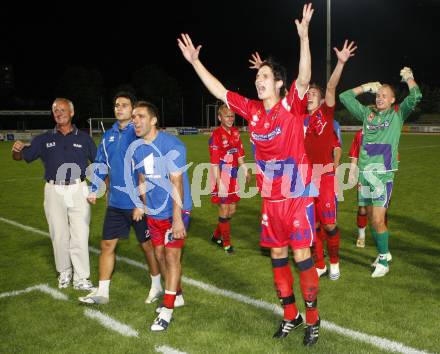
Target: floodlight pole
{"type": "Point", "coordinates": [329, 59]}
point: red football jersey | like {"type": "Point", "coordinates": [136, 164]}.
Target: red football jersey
{"type": "Point", "coordinates": [277, 137]}
{"type": "Point", "coordinates": [319, 135]}
{"type": "Point", "coordinates": [356, 145]}
{"type": "Point", "coordinates": [225, 148]}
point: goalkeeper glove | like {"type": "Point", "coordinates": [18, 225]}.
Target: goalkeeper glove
{"type": "Point", "coordinates": [406, 74]}
{"type": "Point", "coordinates": [371, 87]}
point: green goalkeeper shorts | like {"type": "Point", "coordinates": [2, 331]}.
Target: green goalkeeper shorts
{"type": "Point", "coordinates": [375, 188]}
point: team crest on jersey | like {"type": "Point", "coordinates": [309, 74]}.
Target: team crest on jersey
{"type": "Point", "coordinates": [371, 116]}
{"type": "Point", "coordinates": [266, 125]}
{"type": "Point", "coordinates": [49, 145]}
{"type": "Point", "coordinates": [296, 223]}
{"type": "Point", "coordinates": [111, 139]}
{"type": "Point", "coordinates": [255, 118]}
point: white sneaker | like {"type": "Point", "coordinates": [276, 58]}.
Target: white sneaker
{"type": "Point", "coordinates": [360, 242]}
{"type": "Point", "coordinates": [64, 279]}
{"type": "Point", "coordinates": [162, 321]}
{"type": "Point", "coordinates": [376, 261]}
{"type": "Point", "coordinates": [178, 302]}
{"type": "Point", "coordinates": [94, 299]}
{"type": "Point", "coordinates": [153, 295]}
{"type": "Point", "coordinates": [83, 284]}
{"type": "Point", "coordinates": [321, 271]}
{"type": "Point", "coordinates": [334, 271]}
{"type": "Point", "coordinates": [380, 271]}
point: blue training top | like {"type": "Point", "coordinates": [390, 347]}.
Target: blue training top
{"type": "Point", "coordinates": [110, 162]}
{"type": "Point", "coordinates": [156, 161]}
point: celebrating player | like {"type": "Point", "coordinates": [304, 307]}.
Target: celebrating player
{"type": "Point", "coordinates": [227, 154]}
{"type": "Point", "coordinates": [284, 173]}
{"type": "Point", "coordinates": [160, 160]}
{"type": "Point", "coordinates": [378, 156]}
{"type": "Point", "coordinates": [119, 216]}
{"type": "Point", "coordinates": [320, 143]}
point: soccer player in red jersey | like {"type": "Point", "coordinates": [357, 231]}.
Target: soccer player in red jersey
{"type": "Point", "coordinates": [227, 155]}
{"type": "Point", "coordinates": [320, 143]}
{"type": "Point", "coordinates": [362, 218]}
{"type": "Point", "coordinates": [283, 172]}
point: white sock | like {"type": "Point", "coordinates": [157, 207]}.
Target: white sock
{"type": "Point", "coordinates": [103, 288]}
{"type": "Point", "coordinates": [166, 314]}
{"type": "Point", "coordinates": [361, 232]}
{"type": "Point", "coordinates": [155, 281]}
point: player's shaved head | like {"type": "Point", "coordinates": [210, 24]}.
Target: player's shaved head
{"type": "Point", "coordinates": [390, 89]}
{"type": "Point", "coordinates": [385, 97]}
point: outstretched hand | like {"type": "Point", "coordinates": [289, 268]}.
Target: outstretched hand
{"type": "Point", "coordinates": [255, 61]}
{"type": "Point", "coordinates": [346, 52]}
{"type": "Point", "coordinates": [189, 52]}
{"type": "Point", "coordinates": [303, 26]}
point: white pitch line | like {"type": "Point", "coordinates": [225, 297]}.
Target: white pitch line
{"type": "Point", "coordinates": [111, 323]}
{"type": "Point", "coordinates": [378, 342]}
{"type": "Point", "coordinates": [44, 288]}
{"type": "Point", "coordinates": [167, 350]}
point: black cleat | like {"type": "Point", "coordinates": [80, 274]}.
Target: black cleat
{"type": "Point", "coordinates": [229, 249]}
{"type": "Point", "coordinates": [311, 334]}
{"type": "Point", "coordinates": [217, 241]}
{"type": "Point", "coordinates": [286, 326]}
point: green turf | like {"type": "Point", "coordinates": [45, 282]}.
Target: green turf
{"type": "Point", "coordinates": [404, 306]}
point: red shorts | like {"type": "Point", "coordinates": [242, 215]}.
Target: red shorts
{"type": "Point", "coordinates": [230, 199]}
{"type": "Point", "coordinates": [160, 231]}
{"type": "Point", "coordinates": [326, 201]}
{"type": "Point", "coordinates": [289, 222]}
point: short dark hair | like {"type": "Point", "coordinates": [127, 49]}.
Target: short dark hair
{"type": "Point", "coordinates": [125, 94]}
{"type": "Point", "coordinates": [150, 107]}
{"type": "Point", "coordinates": [317, 87]}
{"type": "Point", "coordinates": [279, 73]}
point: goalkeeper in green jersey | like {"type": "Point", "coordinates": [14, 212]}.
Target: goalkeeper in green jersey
{"type": "Point", "coordinates": [382, 125]}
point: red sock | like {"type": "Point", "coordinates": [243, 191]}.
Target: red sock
{"type": "Point", "coordinates": [333, 239]}
{"type": "Point", "coordinates": [309, 280]}
{"type": "Point", "coordinates": [362, 221]}
{"type": "Point", "coordinates": [283, 280]}
{"type": "Point", "coordinates": [168, 299]}
{"type": "Point", "coordinates": [319, 249]}
{"type": "Point", "coordinates": [217, 233]}
{"type": "Point", "coordinates": [225, 229]}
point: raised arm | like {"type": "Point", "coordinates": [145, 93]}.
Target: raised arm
{"type": "Point", "coordinates": [415, 95]}
{"type": "Point", "coordinates": [305, 59]}
{"type": "Point", "coordinates": [343, 55]}
{"type": "Point", "coordinates": [191, 54]}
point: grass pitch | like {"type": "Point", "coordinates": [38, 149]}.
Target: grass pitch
{"type": "Point", "coordinates": [403, 307]}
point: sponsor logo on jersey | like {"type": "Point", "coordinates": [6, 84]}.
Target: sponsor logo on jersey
{"type": "Point", "coordinates": [232, 151]}
{"type": "Point", "coordinates": [266, 137]}
{"type": "Point", "coordinates": [77, 145]}
{"type": "Point", "coordinates": [381, 126]}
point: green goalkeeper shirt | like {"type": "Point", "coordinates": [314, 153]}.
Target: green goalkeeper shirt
{"type": "Point", "coordinates": [381, 130]}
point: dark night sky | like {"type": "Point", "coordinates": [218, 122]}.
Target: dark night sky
{"type": "Point", "coordinates": [123, 38]}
